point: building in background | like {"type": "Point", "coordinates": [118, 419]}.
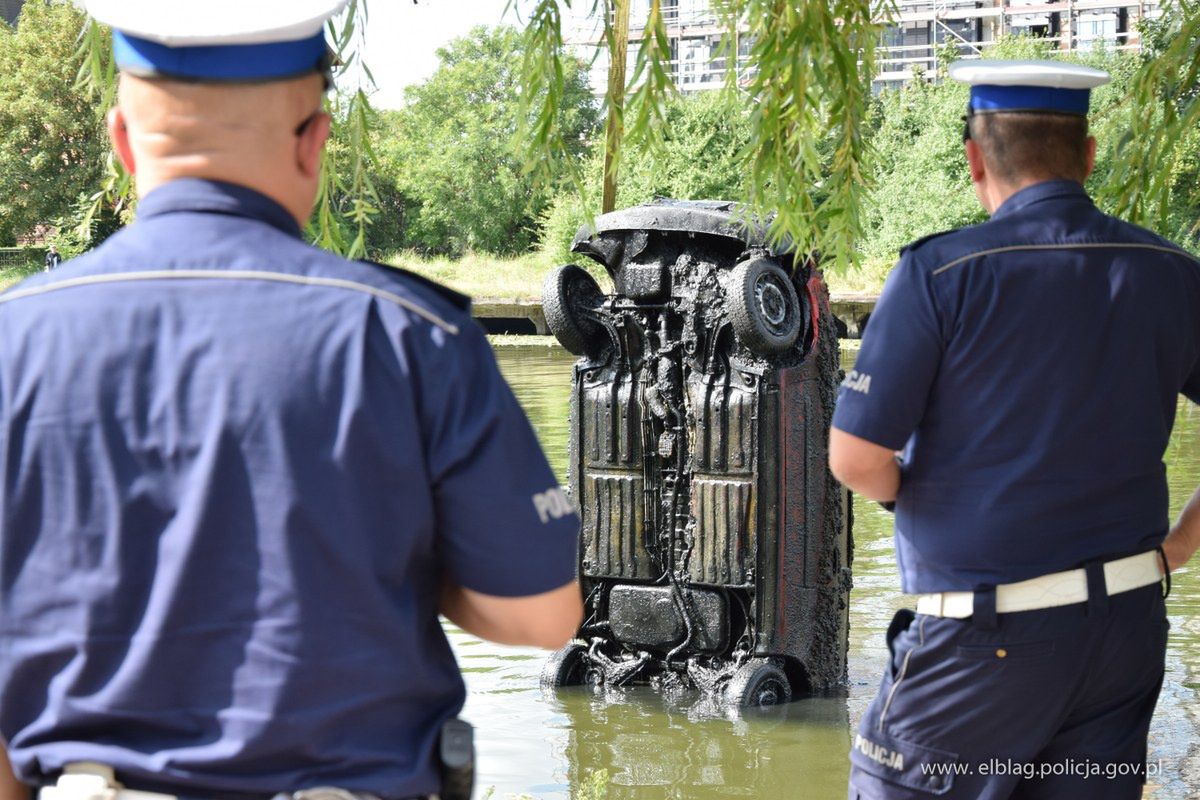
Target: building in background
{"type": "Point", "coordinates": [9, 9]}
{"type": "Point", "coordinates": [919, 31]}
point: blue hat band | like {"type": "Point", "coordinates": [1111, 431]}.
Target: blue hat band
{"type": "Point", "coordinates": [238, 62]}
{"type": "Point", "coordinates": [1029, 98]}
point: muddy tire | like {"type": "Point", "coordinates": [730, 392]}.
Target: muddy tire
{"type": "Point", "coordinates": [757, 683]}
{"type": "Point", "coordinates": [568, 294]}
{"type": "Point", "coordinates": [566, 667]}
{"type": "Point", "coordinates": [763, 307]}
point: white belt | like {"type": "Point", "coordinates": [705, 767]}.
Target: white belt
{"type": "Point", "coordinates": [85, 780]}
{"type": "Point", "coordinates": [1048, 591]}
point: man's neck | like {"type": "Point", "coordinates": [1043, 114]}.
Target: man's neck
{"type": "Point", "coordinates": [995, 193]}
{"type": "Point", "coordinates": [152, 179]}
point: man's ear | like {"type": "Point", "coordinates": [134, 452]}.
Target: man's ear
{"type": "Point", "coordinates": [1091, 157]}
{"type": "Point", "coordinates": [310, 144]}
{"type": "Point", "coordinates": [118, 132]}
{"type": "Point", "coordinates": [975, 161]}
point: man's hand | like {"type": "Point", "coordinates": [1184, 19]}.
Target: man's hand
{"type": "Point", "coordinates": [864, 467]}
{"type": "Point", "coordinates": [10, 787]}
{"type": "Point", "coordinates": [546, 620]}
{"type": "Point", "coordinates": [1184, 538]}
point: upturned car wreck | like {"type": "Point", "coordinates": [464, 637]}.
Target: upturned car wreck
{"type": "Point", "coordinates": [716, 547]}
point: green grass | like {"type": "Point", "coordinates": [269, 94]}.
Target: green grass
{"type": "Point", "coordinates": [483, 276]}
{"type": "Point", "coordinates": [867, 279]}
{"type": "Point", "coordinates": [11, 275]}
{"type": "Point", "coordinates": [521, 340]}
{"type": "Point", "coordinates": [487, 277]}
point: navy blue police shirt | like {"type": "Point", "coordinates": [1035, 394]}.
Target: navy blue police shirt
{"type": "Point", "coordinates": [233, 471]}
{"type": "Point", "coordinates": [1029, 368]}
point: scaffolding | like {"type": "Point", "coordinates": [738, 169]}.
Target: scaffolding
{"type": "Point", "coordinates": [913, 39]}
{"type": "Point", "coordinates": [922, 28]}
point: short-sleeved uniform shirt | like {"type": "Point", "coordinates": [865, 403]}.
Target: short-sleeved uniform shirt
{"type": "Point", "coordinates": [233, 471]}
{"type": "Point", "coordinates": [1029, 368]}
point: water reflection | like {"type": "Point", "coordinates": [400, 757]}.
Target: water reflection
{"type": "Point", "coordinates": [547, 745]}
{"type": "Point", "coordinates": [655, 747]}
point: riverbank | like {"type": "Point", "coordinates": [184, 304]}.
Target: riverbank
{"type": "Point", "coordinates": [488, 277]}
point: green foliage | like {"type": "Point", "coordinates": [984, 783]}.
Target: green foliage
{"type": "Point", "coordinates": [33, 262]}
{"type": "Point", "coordinates": [921, 181]}
{"type": "Point", "coordinates": [52, 140]}
{"type": "Point", "coordinates": [542, 138]}
{"type": "Point", "coordinates": [445, 157]}
{"type": "Point", "coordinates": [1154, 156]}
{"type": "Point", "coordinates": [699, 158]}
{"type": "Point", "coordinates": [813, 64]}
{"type": "Point", "coordinates": [922, 185]}
{"type": "Point", "coordinates": [347, 201]}
{"type": "Point", "coordinates": [806, 97]}
{"type": "Point", "coordinates": [652, 86]}
{"type": "Point", "coordinates": [594, 786]}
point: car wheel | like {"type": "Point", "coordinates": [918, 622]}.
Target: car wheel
{"type": "Point", "coordinates": [758, 682]}
{"type": "Point", "coordinates": [763, 307]}
{"type": "Point", "coordinates": [568, 666]}
{"type": "Point", "coordinates": [569, 296]}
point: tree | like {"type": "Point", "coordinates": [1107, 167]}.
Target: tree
{"type": "Point", "coordinates": [447, 153]}
{"type": "Point", "coordinates": [809, 68]}
{"type": "Point", "coordinates": [922, 186]}
{"type": "Point", "coordinates": [1155, 155]}
{"type": "Point", "coordinates": [698, 159]}
{"type": "Point", "coordinates": [805, 90]}
{"type": "Point", "coordinates": [52, 140]}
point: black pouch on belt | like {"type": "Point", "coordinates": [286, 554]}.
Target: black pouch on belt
{"type": "Point", "coordinates": [457, 755]}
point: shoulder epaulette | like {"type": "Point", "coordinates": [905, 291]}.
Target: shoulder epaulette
{"type": "Point", "coordinates": [460, 301]}
{"type": "Point", "coordinates": [917, 243]}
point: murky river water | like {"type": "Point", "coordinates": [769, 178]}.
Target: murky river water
{"type": "Point", "coordinates": [550, 745]}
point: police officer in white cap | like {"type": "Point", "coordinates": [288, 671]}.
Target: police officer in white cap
{"type": "Point", "coordinates": [1027, 370]}
{"type": "Point", "coordinates": [240, 476]}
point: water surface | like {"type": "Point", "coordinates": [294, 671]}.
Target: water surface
{"type": "Point", "coordinates": [545, 745]}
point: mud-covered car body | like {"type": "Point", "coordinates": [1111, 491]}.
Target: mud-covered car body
{"type": "Point", "coordinates": [715, 546]}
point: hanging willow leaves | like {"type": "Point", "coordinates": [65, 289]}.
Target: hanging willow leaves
{"type": "Point", "coordinates": [347, 200]}
{"type": "Point", "coordinates": [540, 139]}
{"type": "Point", "coordinates": [1162, 112]}
{"type": "Point", "coordinates": [808, 90]}
{"type": "Point", "coordinates": [540, 135]}
{"type": "Point", "coordinates": [652, 84]}
{"type": "Point", "coordinates": [98, 83]}
{"type": "Point", "coordinates": [809, 74]}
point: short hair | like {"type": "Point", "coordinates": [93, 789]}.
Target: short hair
{"type": "Point", "coordinates": [1023, 145]}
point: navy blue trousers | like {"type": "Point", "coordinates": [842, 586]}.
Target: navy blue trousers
{"type": "Point", "coordinates": [1053, 703]}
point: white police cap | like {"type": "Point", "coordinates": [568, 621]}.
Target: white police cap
{"type": "Point", "coordinates": [1046, 86]}
{"type": "Point", "coordinates": [218, 40]}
